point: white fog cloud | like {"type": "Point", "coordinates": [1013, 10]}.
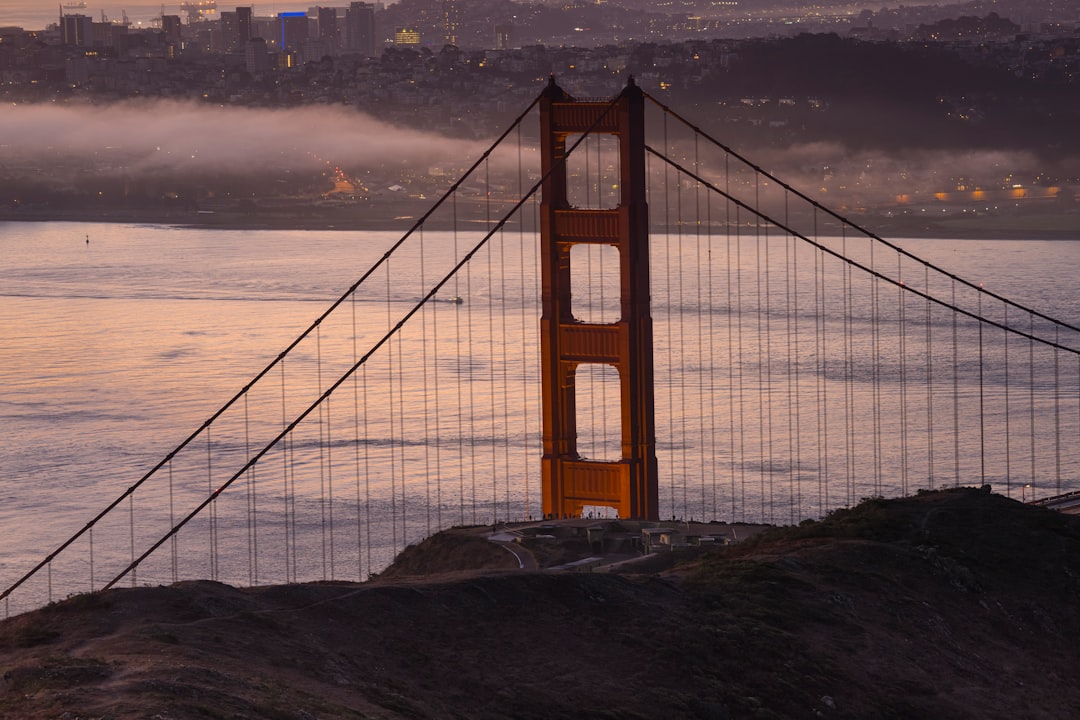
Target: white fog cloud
{"type": "Point", "coordinates": [163, 135]}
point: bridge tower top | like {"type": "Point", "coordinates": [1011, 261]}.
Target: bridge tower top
{"type": "Point", "coordinates": [571, 482]}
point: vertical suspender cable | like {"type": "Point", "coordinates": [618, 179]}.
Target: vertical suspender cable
{"type": "Point", "coordinates": [681, 338]}
{"type": "Point", "coordinates": [702, 458]}
{"type": "Point", "coordinates": [849, 310]}
{"type": "Point", "coordinates": [286, 494]}
{"type": "Point", "coordinates": [213, 507]}
{"type": "Point", "coordinates": [982, 400]}
{"type": "Point", "coordinates": [1031, 392]}
{"type": "Point", "coordinates": [740, 364]}
{"type": "Point", "coordinates": [759, 272]}
{"type": "Point", "coordinates": [427, 394]}
{"type": "Point", "coordinates": [789, 315]}
{"type": "Point", "coordinates": [504, 370]}
{"type": "Point", "coordinates": [1004, 348]}
{"type": "Point", "coordinates": [769, 469]}
{"type": "Point", "coordinates": [876, 344]}
{"type": "Point", "coordinates": [330, 487]}
{"type": "Point", "coordinates": [524, 324]}
{"type": "Point", "coordinates": [471, 380]}
{"type": "Point", "coordinates": [436, 393]}
{"type": "Point", "coordinates": [1008, 443]}
{"type": "Point", "coordinates": [901, 315]}
{"type": "Point", "coordinates": [731, 335]}
{"type": "Point", "coordinates": [250, 490]}
{"type": "Point", "coordinates": [402, 439]}
{"type": "Point", "coordinates": [819, 381]}
{"type": "Point", "coordinates": [491, 344]}
{"type": "Point", "coordinates": [174, 550]}
{"type": "Point", "coordinates": [131, 531]}
{"type": "Point", "coordinates": [712, 445]}
{"type": "Point", "coordinates": [322, 449]}
{"type": "Point", "coordinates": [390, 411]}
{"type": "Point", "coordinates": [670, 303]}
{"type": "Point", "coordinates": [824, 368]}
{"type": "Point", "coordinates": [956, 390]}
{"type": "Point", "coordinates": [845, 281]}
{"type": "Point", "coordinates": [1057, 410]}
{"type": "Point", "coordinates": [356, 446]}
{"type": "Point", "coordinates": [367, 467]}
{"type": "Point", "coordinates": [795, 367]}
{"type": "Point", "coordinates": [930, 381]}
{"type": "Point", "coordinates": [459, 375]}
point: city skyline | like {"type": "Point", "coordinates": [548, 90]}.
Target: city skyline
{"type": "Point", "coordinates": [37, 15]}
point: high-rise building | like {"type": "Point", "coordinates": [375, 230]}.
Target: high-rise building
{"type": "Point", "coordinates": [243, 24]}
{"type": "Point", "coordinates": [328, 29]}
{"type": "Point", "coordinates": [450, 21]}
{"type": "Point", "coordinates": [170, 25]}
{"type": "Point", "coordinates": [293, 28]}
{"type": "Point", "coordinates": [236, 29]}
{"type": "Point", "coordinates": [256, 58]}
{"type": "Point", "coordinates": [360, 28]}
{"type": "Point", "coordinates": [230, 32]}
{"type": "Point", "coordinates": [77, 30]}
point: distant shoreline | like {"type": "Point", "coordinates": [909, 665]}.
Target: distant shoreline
{"type": "Point", "coordinates": [403, 217]}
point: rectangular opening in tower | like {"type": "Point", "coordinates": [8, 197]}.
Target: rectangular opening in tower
{"type": "Point", "coordinates": [592, 172]}
{"type": "Point", "coordinates": [594, 283]}
{"type": "Point", "coordinates": [599, 412]}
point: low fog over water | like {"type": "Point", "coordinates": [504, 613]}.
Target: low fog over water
{"type": "Point", "coordinates": [159, 137]}
{"type": "Point", "coordinates": [162, 135]}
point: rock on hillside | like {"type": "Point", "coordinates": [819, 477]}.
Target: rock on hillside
{"type": "Point", "coordinates": [956, 604]}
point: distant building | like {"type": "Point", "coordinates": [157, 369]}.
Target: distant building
{"type": "Point", "coordinates": [170, 25]}
{"type": "Point", "coordinates": [77, 30]}
{"type": "Point", "coordinates": [236, 29]}
{"type": "Point", "coordinates": [256, 57]}
{"type": "Point", "coordinates": [244, 25]}
{"type": "Point", "coordinates": [111, 35]}
{"type": "Point", "coordinates": [450, 21]}
{"type": "Point", "coordinates": [328, 27]}
{"type": "Point", "coordinates": [360, 28]}
{"type": "Point", "coordinates": [199, 10]}
{"type": "Point", "coordinates": [504, 37]}
{"type": "Point", "coordinates": [230, 31]}
{"type": "Point", "coordinates": [293, 28]}
{"type": "Point", "coordinates": [406, 36]}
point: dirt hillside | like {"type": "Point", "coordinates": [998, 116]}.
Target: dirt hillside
{"type": "Point", "coordinates": [957, 604]}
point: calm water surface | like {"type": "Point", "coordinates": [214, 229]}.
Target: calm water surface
{"type": "Point", "coordinates": [115, 349]}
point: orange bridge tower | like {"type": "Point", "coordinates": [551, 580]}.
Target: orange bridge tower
{"type": "Point", "coordinates": [571, 482]}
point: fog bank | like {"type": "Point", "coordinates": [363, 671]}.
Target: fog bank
{"type": "Point", "coordinates": [162, 136]}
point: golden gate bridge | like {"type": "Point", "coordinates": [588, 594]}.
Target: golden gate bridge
{"type": "Point", "coordinates": [621, 315]}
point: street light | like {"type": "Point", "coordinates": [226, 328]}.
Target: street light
{"type": "Point", "coordinates": [1023, 492]}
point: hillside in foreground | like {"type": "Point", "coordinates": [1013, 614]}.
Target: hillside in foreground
{"type": "Point", "coordinates": [954, 604]}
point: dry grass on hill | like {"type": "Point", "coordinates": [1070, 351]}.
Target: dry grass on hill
{"type": "Point", "coordinates": [957, 604]}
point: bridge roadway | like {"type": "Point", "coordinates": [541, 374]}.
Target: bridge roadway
{"type": "Point", "coordinates": [599, 544]}
{"type": "Point", "coordinates": [1069, 503]}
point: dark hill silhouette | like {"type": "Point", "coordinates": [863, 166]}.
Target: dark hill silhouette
{"type": "Point", "coordinates": [955, 604]}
